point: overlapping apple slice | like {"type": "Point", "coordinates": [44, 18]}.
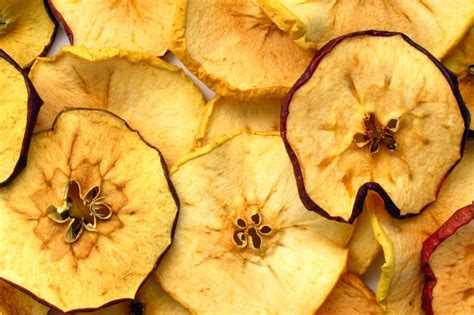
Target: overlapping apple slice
{"type": "Point", "coordinates": [92, 213]}
{"type": "Point", "coordinates": [399, 290]}
{"type": "Point", "coordinates": [154, 97]}
{"type": "Point", "coordinates": [448, 253]}
{"type": "Point", "coordinates": [19, 106]}
{"type": "Point", "coordinates": [373, 112]}
{"type": "Point", "coordinates": [244, 242]}
{"type": "Point", "coordinates": [13, 302]}
{"type": "Point", "coordinates": [436, 25]}
{"type": "Point", "coordinates": [143, 25]}
{"type": "Point", "coordinates": [26, 29]}
{"type": "Point", "coordinates": [234, 48]}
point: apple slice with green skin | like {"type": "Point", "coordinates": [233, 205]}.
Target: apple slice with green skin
{"type": "Point", "coordinates": [153, 96]}
{"type": "Point", "coordinates": [94, 193]}
{"type": "Point", "coordinates": [132, 25]}
{"type": "Point", "coordinates": [244, 242]}
{"type": "Point", "coordinates": [349, 130]}
{"type": "Point", "coordinates": [437, 25]}
{"type": "Point", "coordinates": [14, 302]}
{"type": "Point", "coordinates": [19, 107]}
{"type": "Point", "coordinates": [234, 48]}
{"type": "Point", "coordinates": [448, 252]}
{"type": "Point", "coordinates": [26, 29]}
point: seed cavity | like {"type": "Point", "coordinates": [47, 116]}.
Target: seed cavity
{"type": "Point", "coordinates": [375, 134]}
{"type": "Point", "coordinates": [470, 69]}
{"type": "Point", "coordinates": [252, 233]}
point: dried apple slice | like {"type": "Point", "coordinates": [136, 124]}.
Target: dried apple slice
{"type": "Point", "coordinates": [26, 29]}
{"type": "Point", "coordinates": [350, 296]}
{"type": "Point", "coordinates": [446, 253]}
{"type": "Point", "coordinates": [19, 106]}
{"type": "Point", "coordinates": [234, 48]}
{"type": "Point", "coordinates": [436, 25]}
{"type": "Point", "coordinates": [132, 25]}
{"type": "Point", "coordinates": [348, 129]}
{"type": "Point", "coordinates": [14, 302]}
{"type": "Point", "coordinates": [244, 242]}
{"type": "Point", "coordinates": [154, 97]}
{"type": "Point", "coordinates": [400, 287]}
{"type": "Point", "coordinates": [94, 193]}
{"type": "Point", "coordinates": [461, 62]}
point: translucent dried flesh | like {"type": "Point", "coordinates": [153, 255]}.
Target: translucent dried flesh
{"type": "Point", "coordinates": [436, 25]}
{"type": "Point", "coordinates": [26, 29]}
{"type": "Point", "coordinates": [132, 25]}
{"type": "Point", "coordinates": [15, 302]}
{"type": "Point", "coordinates": [298, 262]}
{"type": "Point", "coordinates": [360, 75]}
{"type": "Point", "coordinates": [234, 48]}
{"type": "Point", "coordinates": [153, 96]}
{"type": "Point", "coordinates": [400, 289]}
{"type": "Point", "coordinates": [94, 148]}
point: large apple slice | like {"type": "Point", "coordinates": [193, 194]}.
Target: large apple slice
{"type": "Point", "coordinates": [461, 62]}
{"type": "Point", "coordinates": [26, 29]}
{"type": "Point", "coordinates": [233, 47]}
{"type": "Point", "coordinates": [143, 25]}
{"type": "Point", "coordinates": [19, 106]}
{"type": "Point", "coordinates": [153, 96]}
{"type": "Point", "coordinates": [437, 25]}
{"type": "Point", "coordinates": [446, 253]}
{"type": "Point", "coordinates": [400, 287]}
{"type": "Point", "coordinates": [15, 302]}
{"type": "Point", "coordinates": [94, 193]}
{"type": "Point", "coordinates": [364, 116]}
{"type": "Point", "coordinates": [244, 242]}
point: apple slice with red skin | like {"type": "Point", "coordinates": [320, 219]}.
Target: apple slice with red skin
{"type": "Point", "coordinates": [349, 130]}
{"type": "Point", "coordinates": [447, 252]}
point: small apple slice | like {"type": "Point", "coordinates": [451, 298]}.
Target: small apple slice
{"type": "Point", "coordinates": [447, 252]}
{"type": "Point", "coordinates": [94, 193]}
{"type": "Point", "coordinates": [26, 29]}
{"type": "Point", "coordinates": [13, 302]}
{"type": "Point", "coordinates": [143, 25]}
{"type": "Point", "coordinates": [350, 296]}
{"type": "Point", "coordinates": [244, 242]}
{"type": "Point", "coordinates": [399, 290]}
{"type": "Point", "coordinates": [234, 48]}
{"type": "Point", "coordinates": [437, 25]}
{"type": "Point", "coordinates": [461, 62]}
{"type": "Point", "coordinates": [19, 106]}
{"type": "Point", "coordinates": [364, 116]}
{"type": "Point", "coordinates": [154, 97]}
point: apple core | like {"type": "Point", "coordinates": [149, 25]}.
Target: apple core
{"type": "Point", "coordinates": [375, 134]}
{"type": "Point", "coordinates": [252, 233]}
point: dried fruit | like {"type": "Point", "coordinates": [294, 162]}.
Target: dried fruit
{"type": "Point", "coordinates": [15, 302]}
{"type": "Point", "coordinates": [89, 159]}
{"type": "Point", "coordinates": [349, 129]}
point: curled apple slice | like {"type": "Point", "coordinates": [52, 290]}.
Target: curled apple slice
{"type": "Point", "coordinates": [26, 29]}
{"type": "Point", "coordinates": [364, 116]}
{"type": "Point", "coordinates": [94, 193]}
{"type": "Point", "coordinates": [251, 244]}
{"type": "Point", "coordinates": [234, 48]}
{"type": "Point", "coordinates": [13, 302]}
{"type": "Point", "coordinates": [19, 106]}
{"type": "Point", "coordinates": [448, 252]}
{"type": "Point", "coordinates": [437, 25]}
{"type": "Point", "coordinates": [154, 97]}
{"type": "Point", "coordinates": [132, 25]}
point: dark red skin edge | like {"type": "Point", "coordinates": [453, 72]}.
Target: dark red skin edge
{"type": "Point", "coordinates": [34, 105]}
{"type": "Point", "coordinates": [61, 21]}
{"type": "Point", "coordinates": [459, 219]}
{"type": "Point", "coordinates": [364, 189]}
{"type": "Point", "coordinates": [173, 228]}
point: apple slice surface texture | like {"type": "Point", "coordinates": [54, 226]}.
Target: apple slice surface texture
{"type": "Point", "coordinates": [234, 48]}
{"type": "Point", "coordinates": [143, 25]}
{"type": "Point", "coordinates": [244, 242]}
{"type": "Point", "coordinates": [15, 302]}
{"type": "Point", "coordinates": [19, 106]}
{"type": "Point", "coordinates": [436, 25]}
{"type": "Point", "coordinates": [93, 193]}
{"type": "Point", "coordinates": [26, 29]}
{"type": "Point", "coordinates": [154, 97]}
{"type": "Point", "coordinates": [446, 254]}
{"type": "Point", "coordinates": [364, 116]}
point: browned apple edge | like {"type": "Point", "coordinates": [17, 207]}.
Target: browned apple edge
{"type": "Point", "coordinates": [459, 219]}
{"type": "Point", "coordinates": [58, 17]}
{"type": "Point", "coordinates": [364, 189]}
{"type": "Point", "coordinates": [34, 105]}
{"type": "Point", "coordinates": [134, 302]}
